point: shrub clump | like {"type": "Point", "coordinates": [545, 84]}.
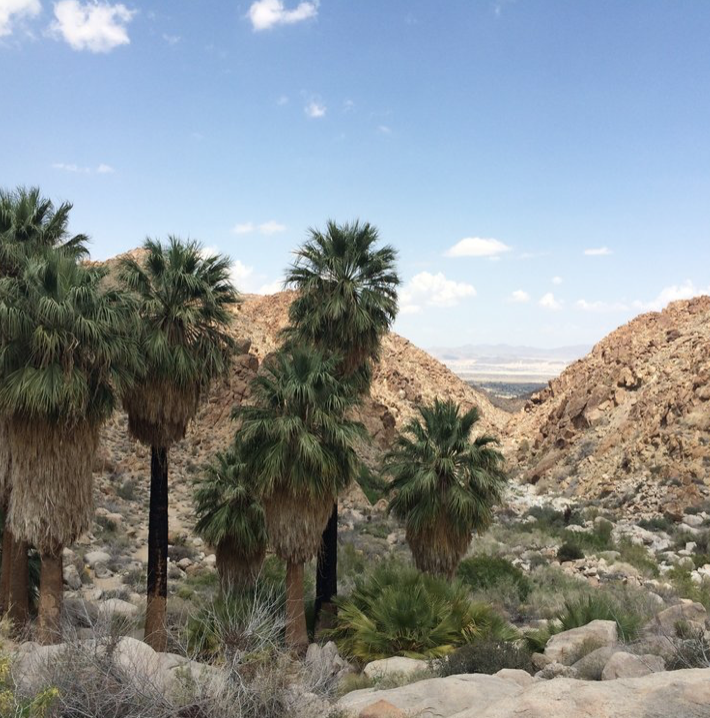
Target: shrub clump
{"type": "Point", "coordinates": [594, 607]}
{"type": "Point", "coordinates": [396, 610]}
{"type": "Point", "coordinates": [484, 572]}
{"type": "Point", "coordinates": [569, 552]}
{"type": "Point", "coordinates": [486, 656]}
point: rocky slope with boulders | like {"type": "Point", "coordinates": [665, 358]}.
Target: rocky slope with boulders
{"type": "Point", "coordinates": [630, 421]}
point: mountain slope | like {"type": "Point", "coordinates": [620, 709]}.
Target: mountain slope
{"type": "Point", "coordinates": [632, 418]}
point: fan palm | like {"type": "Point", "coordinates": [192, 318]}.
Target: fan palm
{"type": "Point", "coordinates": [29, 225]}
{"type": "Point", "coordinates": [67, 355]}
{"type": "Point", "coordinates": [298, 446]}
{"type": "Point", "coordinates": [183, 300]}
{"type": "Point", "coordinates": [230, 517]}
{"type": "Point", "coordinates": [346, 302]}
{"type": "Point", "coordinates": [444, 484]}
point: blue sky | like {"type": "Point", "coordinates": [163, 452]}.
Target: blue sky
{"type": "Point", "coordinates": [543, 166]}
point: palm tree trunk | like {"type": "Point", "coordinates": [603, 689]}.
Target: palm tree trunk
{"type": "Point", "coordinates": [296, 633]}
{"type": "Point", "coordinates": [18, 596]}
{"type": "Point", "coordinates": [6, 566]}
{"type": "Point", "coordinates": [327, 572]}
{"type": "Point", "coordinates": [51, 587]}
{"type": "Point", "coordinates": [155, 634]}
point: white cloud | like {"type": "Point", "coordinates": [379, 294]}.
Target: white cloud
{"type": "Point", "coordinates": [598, 252]}
{"type": "Point", "coordinates": [477, 247]}
{"type": "Point", "coordinates": [557, 281]}
{"type": "Point", "coordinates": [271, 287]}
{"type": "Point", "coordinates": [97, 27]}
{"type": "Point", "coordinates": [266, 228]}
{"type": "Point", "coordinates": [13, 10]}
{"type": "Point", "coordinates": [282, 100]}
{"type": "Point", "coordinates": [433, 290]}
{"type": "Point", "coordinates": [384, 130]}
{"type": "Point", "coordinates": [600, 306]}
{"type": "Point", "coordinates": [548, 301]}
{"type": "Point", "coordinates": [171, 39]}
{"type": "Point", "coordinates": [519, 297]}
{"type": "Point", "coordinates": [687, 290]}
{"type": "Point", "coordinates": [265, 14]}
{"type": "Point", "coordinates": [102, 169]}
{"type": "Point", "coordinates": [315, 110]}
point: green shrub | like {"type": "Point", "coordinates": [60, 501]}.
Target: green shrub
{"type": "Point", "coordinates": [598, 539]}
{"type": "Point", "coordinates": [396, 610]}
{"type": "Point", "coordinates": [482, 572]}
{"type": "Point", "coordinates": [486, 656]}
{"type": "Point", "coordinates": [546, 519]}
{"type": "Point", "coordinates": [658, 523]}
{"type": "Point", "coordinates": [373, 485]}
{"type": "Point", "coordinates": [601, 607]}
{"type": "Point", "coordinates": [685, 587]}
{"type": "Point", "coordinates": [569, 552]}
{"type": "Point", "coordinates": [127, 490]}
{"type": "Point", "coordinates": [638, 557]}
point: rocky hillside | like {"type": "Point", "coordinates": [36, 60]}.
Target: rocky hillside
{"type": "Point", "coordinates": [629, 421]}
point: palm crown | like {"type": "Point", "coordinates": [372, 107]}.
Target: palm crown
{"type": "Point", "coordinates": [347, 293]}
{"type": "Point", "coordinates": [29, 223]}
{"type": "Point", "coordinates": [183, 297]}
{"type": "Point", "coordinates": [298, 445]}
{"type": "Point", "coordinates": [444, 484]}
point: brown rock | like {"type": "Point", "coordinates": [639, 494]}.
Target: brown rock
{"type": "Point", "coordinates": [381, 709]}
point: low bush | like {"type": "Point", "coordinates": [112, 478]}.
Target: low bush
{"type": "Point", "coordinates": [486, 656]}
{"type": "Point", "coordinates": [482, 572]}
{"type": "Point", "coordinates": [569, 552]}
{"type": "Point", "coordinates": [396, 610]}
{"type": "Point", "coordinates": [638, 556]}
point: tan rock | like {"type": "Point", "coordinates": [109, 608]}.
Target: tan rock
{"type": "Point", "coordinates": [382, 709]}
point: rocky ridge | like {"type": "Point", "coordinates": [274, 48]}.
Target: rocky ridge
{"type": "Point", "coordinates": [629, 421]}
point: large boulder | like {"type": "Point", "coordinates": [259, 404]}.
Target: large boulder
{"type": "Point", "coordinates": [395, 666]}
{"type": "Point", "coordinates": [435, 697]}
{"type": "Point", "coordinates": [590, 667]}
{"type": "Point", "coordinates": [382, 709]}
{"type": "Point", "coordinates": [690, 613]}
{"type": "Point", "coordinates": [569, 646]}
{"type": "Point", "coordinates": [627, 665]}
{"type": "Point", "coordinates": [677, 694]}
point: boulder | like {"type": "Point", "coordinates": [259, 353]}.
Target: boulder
{"type": "Point", "coordinates": [326, 662]}
{"type": "Point", "coordinates": [567, 647]}
{"type": "Point", "coordinates": [382, 709]}
{"type": "Point", "coordinates": [71, 576]}
{"type": "Point", "coordinates": [397, 665]}
{"type": "Point", "coordinates": [591, 666]}
{"type": "Point", "coordinates": [666, 622]}
{"type": "Point", "coordinates": [92, 558]}
{"type": "Point", "coordinates": [435, 697]}
{"type": "Point", "coordinates": [677, 694]}
{"type": "Point", "coordinates": [627, 665]}
{"type": "Point", "coordinates": [117, 607]}
{"type": "Point", "coordinates": [517, 675]}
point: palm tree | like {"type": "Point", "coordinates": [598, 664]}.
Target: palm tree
{"type": "Point", "coordinates": [298, 446]}
{"type": "Point", "coordinates": [444, 484]}
{"type": "Point", "coordinates": [67, 355]}
{"type": "Point", "coordinates": [230, 517]}
{"type": "Point", "coordinates": [183, 299]}
{"type": "Point", "coordinates": [29, 225]}
{"type": "Point", "coordinates": [346, 302]}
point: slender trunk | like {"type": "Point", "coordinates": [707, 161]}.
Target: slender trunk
{"type": "Point", "coordinates": [155, 633]}
{"type": "Point", "coordinates": [18, 599]}
{"type": "Point", "coordinates": [296, 633]}
{"type": "Point", "coordinates": [6, 566]}
{"type": "Point", "coordinates": [327, 572]}
{"type": "Point", "coordinates": [51, 586]}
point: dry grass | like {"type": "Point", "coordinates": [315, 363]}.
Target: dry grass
{"type": "Point", "coordinates": [51, 503]}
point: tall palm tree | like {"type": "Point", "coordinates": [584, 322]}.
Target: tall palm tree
{"type": "Point", "coordinates": [29, 225]}
{"type": "Point", "coordinates": [298, 446]}
{"type": "Point", "coordinates": [67, 354]}
{"type": "Point", "coordinates": [183, 297]}
{"type": "Point", "coordinates": [230, 517]}
{"type": "Point", "coordinates": [346, 302]}
{"type": "Point", "coordinates": [444, 484]}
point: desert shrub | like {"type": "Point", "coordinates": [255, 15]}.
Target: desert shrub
{"type": "Point", "coordinates": [372, 485]}
{"type": "Point", "coordinates": [396, 610]}
{"type": "Point", "coordinates": [638, 557]}
{"type": "Point", "coordinates": [547, 519]}
{"type": "Point", "coordinates": [551, 587]}
{"type": "Point", "coordinates": [658, 523]}
{"type": "Point", "coordinates": [236, 629]}
{"type": "Point", "coordinates": [685, 587]}
{"type": "Point", "coordinates": [598, 539]}
{"type": "Point", "coordinates": [692, 651]}
{"type": "Point", "coordinates": [486, 656]}
{"type": "Point", "coordinates": [601, 607]}
{"type": "Point", "coordinates": [536, 639]}
{"type": "Point", "coordinates": [569, 552]}
{"type": "Point", "coordinates": [482, 572]}
{"type": "Point", "coordinates": [127, 490]}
